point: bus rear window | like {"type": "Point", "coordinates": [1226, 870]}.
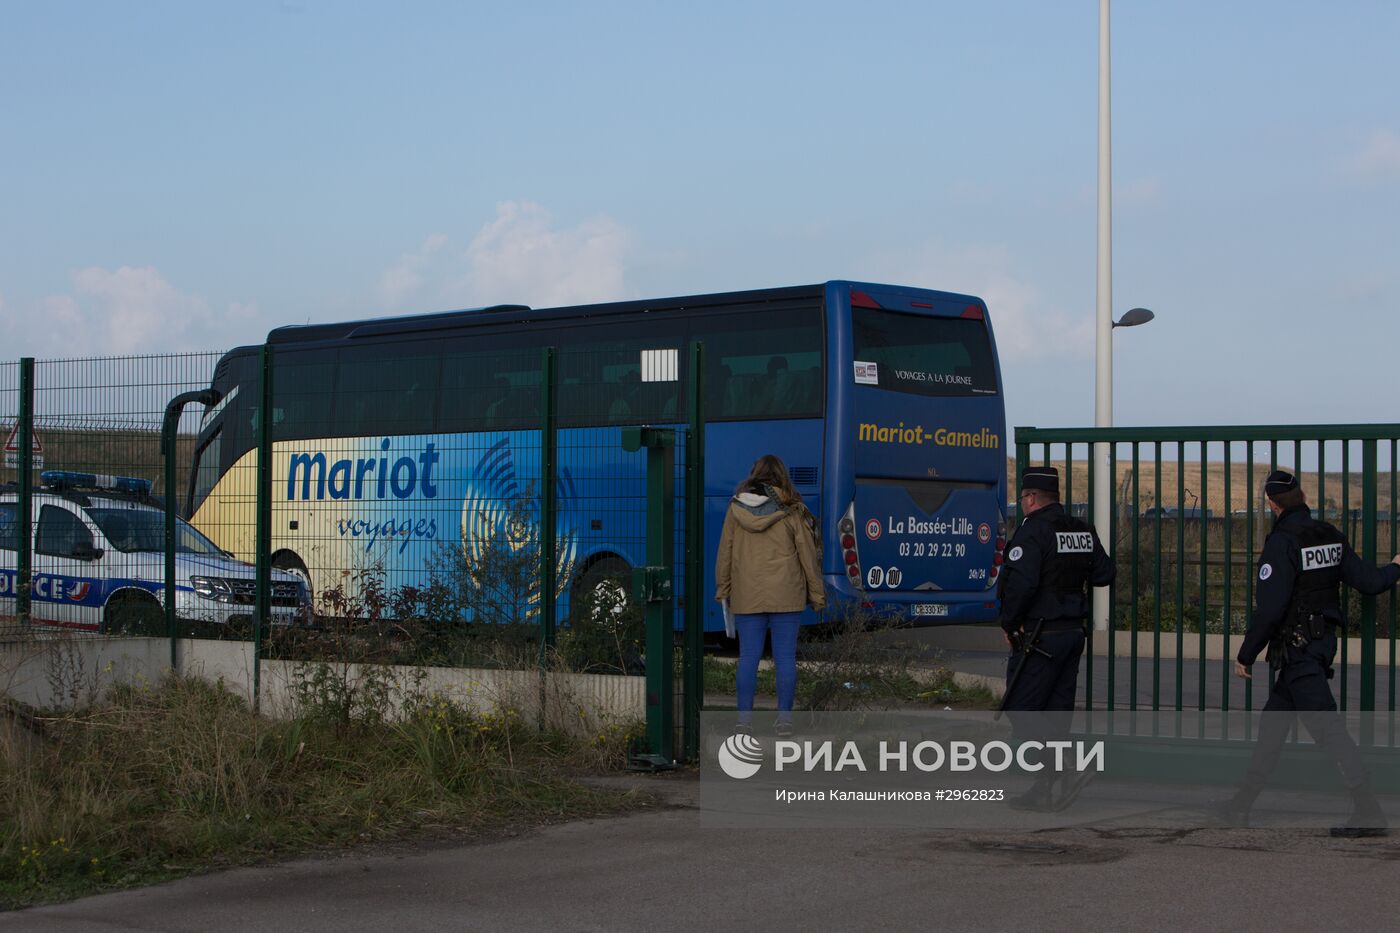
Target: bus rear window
{"type": "Point", "coordinates": [923, 355]}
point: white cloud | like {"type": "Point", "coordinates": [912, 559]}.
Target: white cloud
{"type": "Point", "coordinates": [1378, 160]}
{"type": "Point", "coordinates": [130, 310]}
{"type": "Point", "coordinates": [404, 278]}
{"type": "Point", "coordinates": [1027, 326]}
{"type": "Point", "coordinates": [520, 258]}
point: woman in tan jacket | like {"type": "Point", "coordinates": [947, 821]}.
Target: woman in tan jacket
{"type": "Point", "coordinates": [767, 570]}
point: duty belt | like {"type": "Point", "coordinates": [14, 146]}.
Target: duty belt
{"type": "Point", "coordinates": [1063, 625]}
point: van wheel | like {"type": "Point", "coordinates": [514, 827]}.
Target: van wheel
{"type": "Point", "coordinates": [133, 614]}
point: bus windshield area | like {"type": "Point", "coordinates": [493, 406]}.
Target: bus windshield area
{"type": "Point", "coordinates": [132, 530]}
{"type": "Point", "coordinates": [925, 355]}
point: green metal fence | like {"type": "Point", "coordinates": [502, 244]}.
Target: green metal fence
{"type": "Point", "coordinates": [535, 431]}
{"type": "Point", "coordinates": [96, 415]}
{"type": "Point", "coordinates": [1187, 524]}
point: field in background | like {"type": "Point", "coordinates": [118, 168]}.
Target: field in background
{"type": "Point", "coordinates": [113, 451]}
{"type": "Point", "coordinates": [1244, 491]}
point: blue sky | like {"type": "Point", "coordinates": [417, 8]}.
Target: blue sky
{"type": "Point", "coordinates": [188, 176]}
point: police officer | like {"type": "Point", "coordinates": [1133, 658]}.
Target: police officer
{"type": "Point", "coordinates": [1297, 610]}
{"type": "Point", "coordinates": [1049, 560]}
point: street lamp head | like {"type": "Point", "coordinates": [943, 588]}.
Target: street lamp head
{"type": "Point", "coordinates": [1134, 317]}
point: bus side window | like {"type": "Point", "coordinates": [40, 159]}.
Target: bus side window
{"type": "Point", "coordinates": [742, 397]}
{"type": "Point", "coordinates": [492, 401]}
{"type": "Point", "coordinates": [303, 388]}
{"type": "Point", "coordinates": [624, 397]}
{"type": "Point", "coordinates": [381, 393]}
{"type": "Point", "coordinates": [763, 365]}
{"type": "Point", "coordinates": [601, 380]}
{"type": "Point", "coordinates": [490, 390]}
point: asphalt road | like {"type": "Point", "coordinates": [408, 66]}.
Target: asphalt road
{"type": "Point", "coordinates": [1163, 683]}
{"type": "Point", "coordinates": [663, 870]}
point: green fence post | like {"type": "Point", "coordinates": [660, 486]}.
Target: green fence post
{"type": "Point", "coordinates": [1369, 467]}
{"type": "Point", "coordinates": [168, 429]}
{"type": "Point", "coordinates": [262, 601]}
{"type": "Point", "coordinates": [1394, 522]}
{"type": "Point", "coordinates": [167, 452]}
{"type": "Point", "coordinates": [694, 653]}
{"type": "Point", "coordinates": [24, 467]}
{"type": "Point", "coordinates": [1202, 510]}
{"type": "Point", "coordinates": [1346, 597]}
{"type": "Point", "coordinates": [1023, 459]}
{"type": "Point", "coordinates": [549, 508]}
{"type": "Point", "coordinates": [651, 586]}
{"type": "Point", "coordinates": [1133, 581]}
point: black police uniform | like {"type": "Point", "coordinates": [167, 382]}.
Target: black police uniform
{"type": "Point", "coordinates": [1297, 610]}
{"type": "Point", "coordinates": [1049, 560]}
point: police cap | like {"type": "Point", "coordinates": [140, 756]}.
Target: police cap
{"type": "Point", "coordinates": [1046, 478]}
{"type": "Point", "coordinates": [1278, 482]}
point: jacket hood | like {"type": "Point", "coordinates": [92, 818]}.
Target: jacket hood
{"type": "Point", "coordinates": [755, 512]}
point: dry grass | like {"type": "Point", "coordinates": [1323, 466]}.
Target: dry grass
{"type": "Point", "coordinates": [1183, 484]}
{"type": "Point", "coordinates": [171, 780]}
{"type": "Point", "coordinates": [120, 451]}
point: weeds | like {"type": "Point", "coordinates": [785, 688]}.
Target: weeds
{"type": "Point", "coordinates": [452, 622]}
{"type": "Point", "coordinates": [161, 781]}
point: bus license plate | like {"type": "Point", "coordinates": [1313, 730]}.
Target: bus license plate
{"type": "Point", "coordinates": [930, 609]}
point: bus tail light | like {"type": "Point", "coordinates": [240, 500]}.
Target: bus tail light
{"type": "Point", "coordinates": [849, 555]}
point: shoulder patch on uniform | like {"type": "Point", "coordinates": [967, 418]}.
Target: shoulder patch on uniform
{"type": "Point", "coordinates": [1015, 553]}
{"type": "Point", "coordinates": [1265, 571]}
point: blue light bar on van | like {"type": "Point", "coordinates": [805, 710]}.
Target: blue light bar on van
{"type": "Point", "coordinates": [68, 479]}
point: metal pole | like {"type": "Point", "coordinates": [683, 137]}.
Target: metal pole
{"type": "Point", "coordinates": [1369, 507]}
{"type": "Point", "coordinates": [1103, 359]}
{"type": "Point", "coordinates": [694, 654]}
{"type": "Point", "coordinates": [24, 472]}
{"type": "Point", "coordinates": [262, 601]}
{"type": "Point", "coordinates": [652, 588]}
{"type": "Point", "coordinates": [549, 447]}
{"type": "Point", "coordinates": [206, 397]}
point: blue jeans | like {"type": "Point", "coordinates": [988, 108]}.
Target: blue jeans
{"type": "Point", "coordinates": [752, 628]}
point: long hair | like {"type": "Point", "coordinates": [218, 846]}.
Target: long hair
{"type": "Point", "coordinates": [769, 471]}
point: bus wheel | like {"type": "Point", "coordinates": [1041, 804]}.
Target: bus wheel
{"type": "Point", "coordinates": [133, 614]}
{"type": "Point", "coordinates": [288, 561]}
{"type": "Point", "coordinates": [604, 593]}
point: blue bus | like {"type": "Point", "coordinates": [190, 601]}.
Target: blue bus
{"type": "Point", "coordinates": [400, 441]}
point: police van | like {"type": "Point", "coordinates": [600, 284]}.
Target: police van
{"type": "Point", "coordinates": [98, 563]}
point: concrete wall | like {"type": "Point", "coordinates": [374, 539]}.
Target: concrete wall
{"type": "Point", "coordinates": [67, 670]}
